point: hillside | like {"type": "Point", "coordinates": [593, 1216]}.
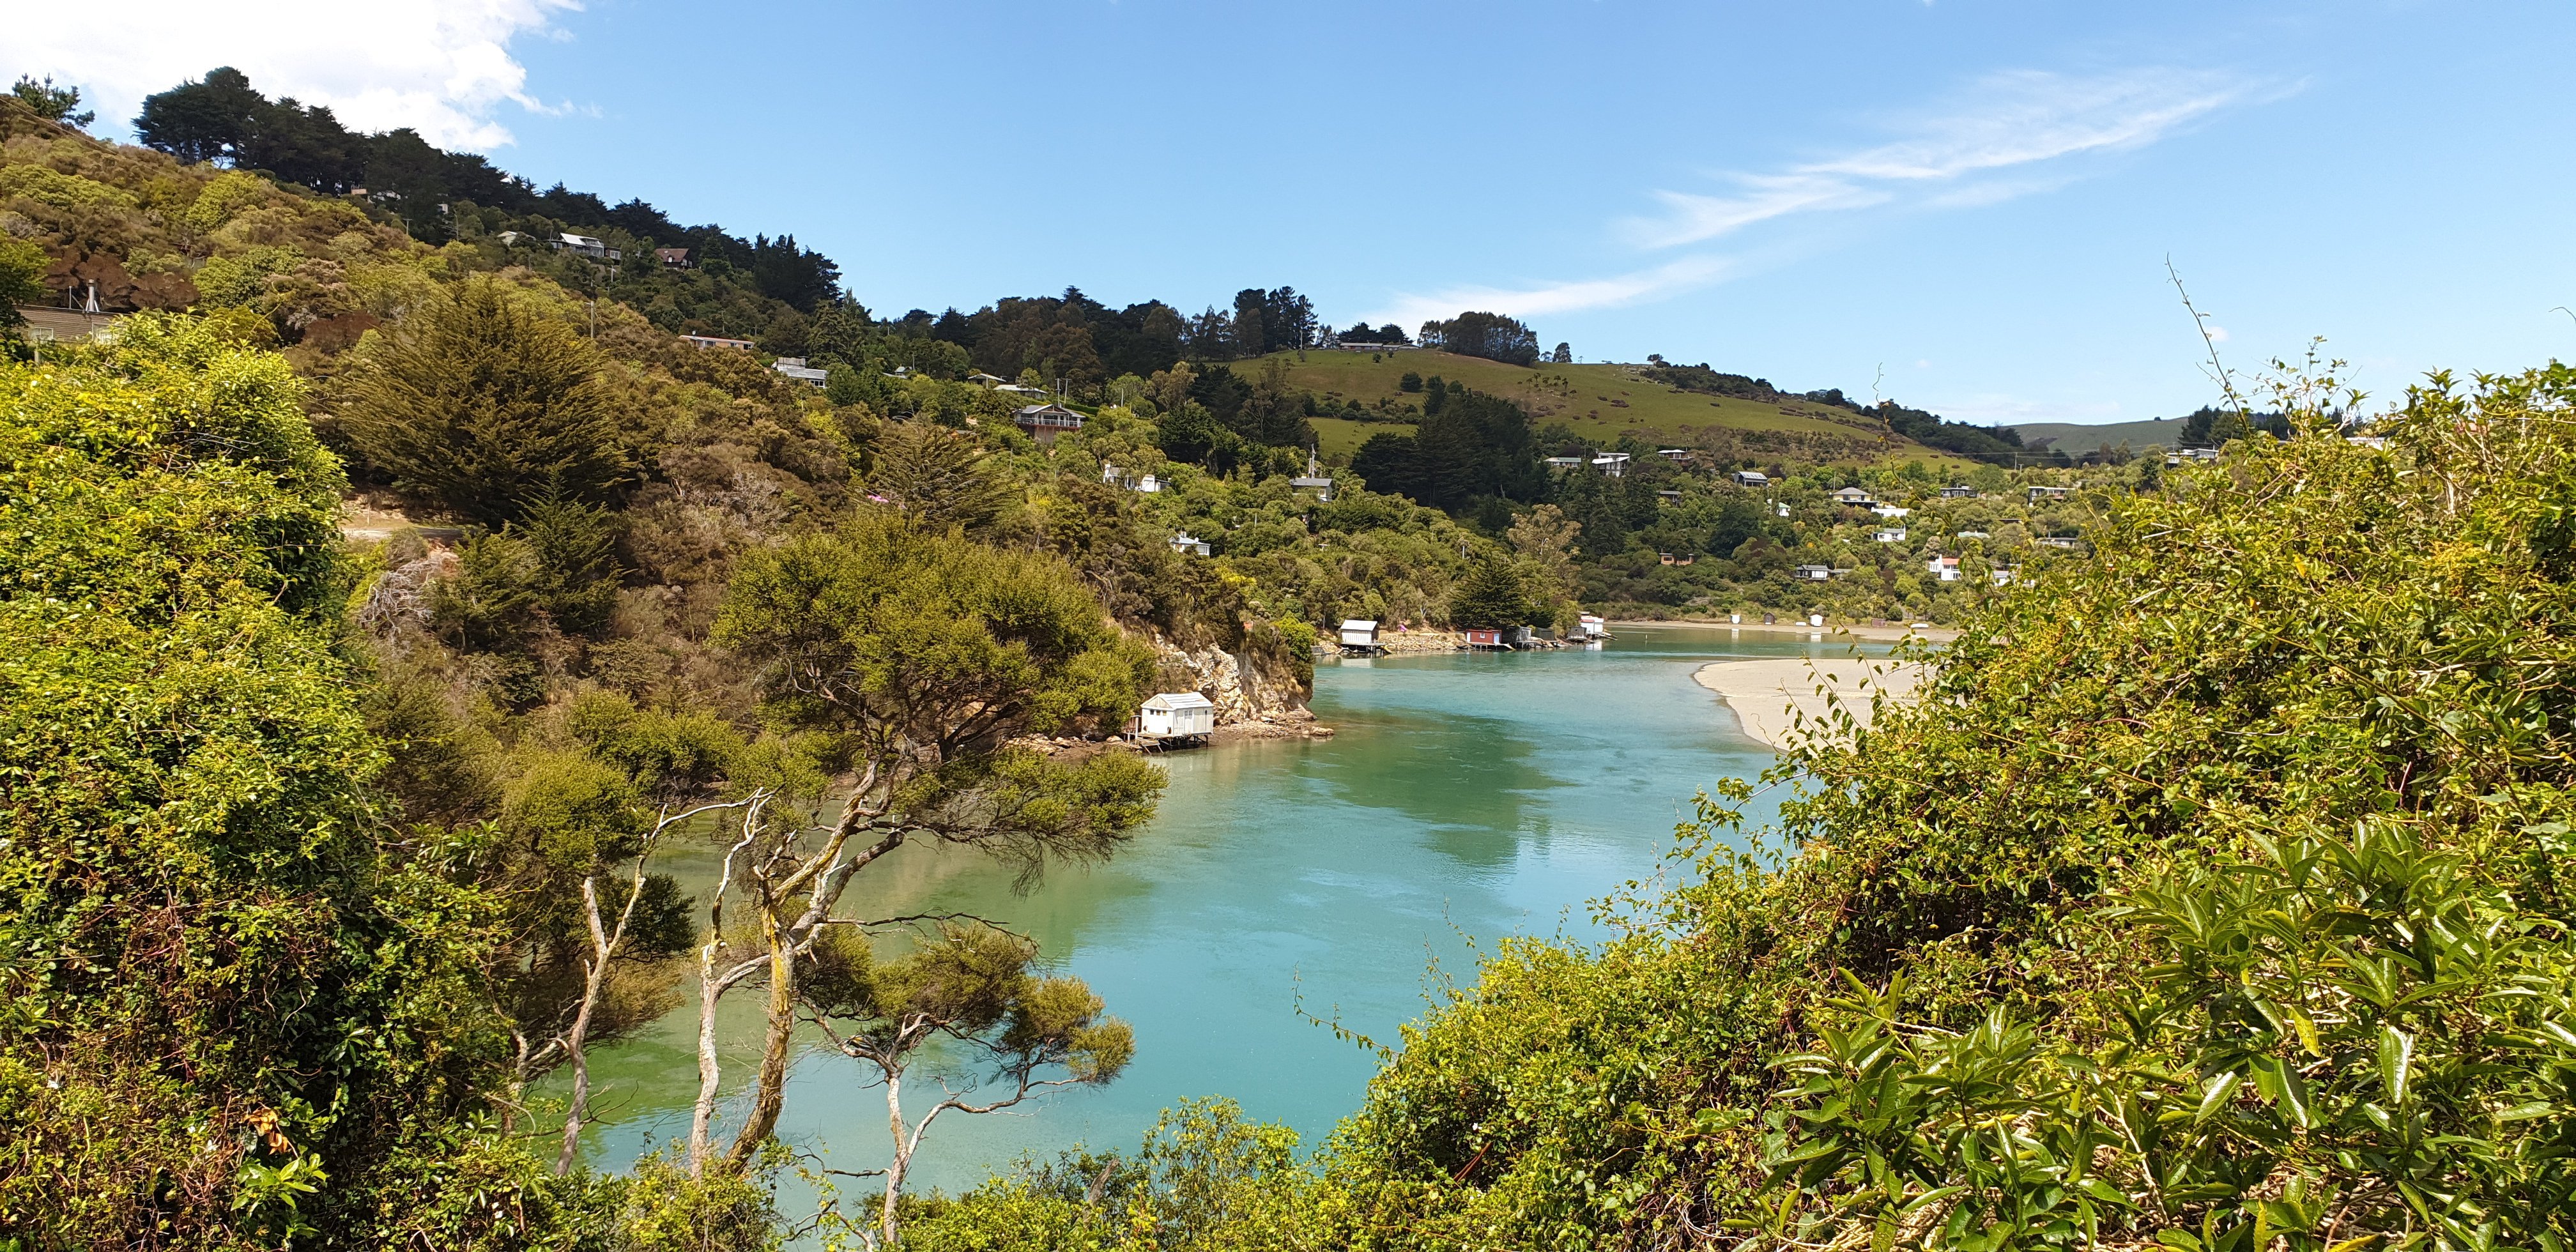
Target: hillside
{"type": "Point", "coordinates": [1599, 403]}
{"type": "Point", "coordinates": [2076, 438]}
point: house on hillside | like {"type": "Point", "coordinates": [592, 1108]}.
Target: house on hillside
{"type": "Point", "coordinates": [1045, 421]}
{"type": "Point", "coordinates": [1889, 511]}
{"type": "Point", "coordinates": [1890, 534]}
{"type": "Point", "coordinates": [1186, 543]}
{"type": "Point", "coordinates": [1781, 509]}
{"type": "Point", "coordinates": [672, 258]}
{"type": "Point", "coordinates": [1855, 497]}
{"type": "Point", "coordinates": [716, 341]}
{"type": "Point", "coordinates": [1171, 715]}
{"type": "Point", "coordinates": [1750, 478]}
{"type": "Point", "coordinates": [2003, 577]}
{"type": "Point", "coordinates": [1615, 464]}
{"type": "Point", "coordinates": [2180, 455]}
{"type": "Point", "coordinates": [796, 368]}
{"type": "Point", "coordinates": [1676, 455]}
{"type": "Point", "coordinates": [595, 248]}
{"type": "Point", "coordinates": [2068, 542]}
{"type": "Point", "coordinates": [2038, 494]}
{"type": "Point", "coordinates": [1812, 573]}
{"type": "Point", "coordinates": [1944, 568]}
{"type": "Point", "coordinates": [1568, 462]}
{"type": "Point", "coordinates": [1019, 389]}
{"type": "Point", "coordinates": [1960, 492]}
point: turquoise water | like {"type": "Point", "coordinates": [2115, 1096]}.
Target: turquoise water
{"type": "Point", "coordinates": [1466, 797]}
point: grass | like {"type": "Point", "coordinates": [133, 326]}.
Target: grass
{"type": "Point", "coordinates": [1339, 437]}
{"type": "Point", "coordinates": [2075, 439]}
{"type": "Point", "coordinates": [1599, 402]}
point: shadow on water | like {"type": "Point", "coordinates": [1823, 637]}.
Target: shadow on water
{"type": "Point", "coordinates": [1465, 798]}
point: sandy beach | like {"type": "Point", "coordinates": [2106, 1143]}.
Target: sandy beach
{"type": "Point", "coordinates": [1866, 634]}
{"type": "Point", "coordinates": [1768, 694]}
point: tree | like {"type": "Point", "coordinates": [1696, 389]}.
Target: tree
{"type": "Point", "coordinates": [1250, 337]}
{"type": "Point", "coordinates": [919, 656]}
{"type": "Point", "coordinates": [1188, 432]}
{"type": "Point", "coordinates": [1545, 540]}
{"type": "Point", "coordinates": [485, 407]}
{"type": "Point", "coordinates": [1492, 597]}
{"type": "Point", "coordinates": [22, 277]}
{"type": "Point", "coordinates": [973, 988]}
{"type": "Point", "coordinates": [1489, 335]}
{"type": "Point", "coordinates": [1564, 354]}
{"type": "Point", "coordinates": [938, 477]}
{"type": "Point", "coordinates": [207, 120]}
{"type": "Point", "coordinates": [1410, 382]}
{"type": "Point", "coordinates": [52, 103]}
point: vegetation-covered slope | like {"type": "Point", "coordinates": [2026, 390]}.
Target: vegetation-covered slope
{"type": "Point", "coordinates": [2213, 897]}
{"type": "Point", "coordinates": [1596, 403]}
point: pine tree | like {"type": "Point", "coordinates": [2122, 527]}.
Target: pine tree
{"type": "Point", "coordinates": [1491, 598]}
{"type": "Point", "coordinates": [486, 408]}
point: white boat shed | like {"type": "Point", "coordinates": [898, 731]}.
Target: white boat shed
{"type": "Point", "coordinates": [1359, 632]}
{"type": "Point", "coordinates": [1176, 715]}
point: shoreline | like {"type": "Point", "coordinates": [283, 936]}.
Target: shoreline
{"type": "Point", "coordinates": [1866, 634]}
{"type": "Point", "coordinates": [1768, 695]}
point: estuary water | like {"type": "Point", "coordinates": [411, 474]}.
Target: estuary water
{"type": "Point", "coordinates": [1466, 798]}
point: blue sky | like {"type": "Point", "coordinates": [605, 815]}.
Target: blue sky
{"type": "Point", "coordinates": [1970, 202]}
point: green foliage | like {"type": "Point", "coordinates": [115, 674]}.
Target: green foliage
{"type": "Point", "coordinates": [233, 1015]}
{"type": "Point", "coordinates": [486, 408]}
{"type": "Point", "coordinates": [881, 630]}
{"type": "Point", "coordinates": [1492, 596]}
{"type": "Point", "coordinates": [2211, 896]}
{"type": "Point", "coordinates": [940, 478]}
{"type": "Point", "coordinates": [1203, 1180]}
{"type": "Point", "coordinates": [22, 277]}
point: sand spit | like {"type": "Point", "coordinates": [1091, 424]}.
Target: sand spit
{"type": "Point", "coordinates": [1768, 694]}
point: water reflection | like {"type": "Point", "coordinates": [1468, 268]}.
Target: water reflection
{"type": "Point", "coordinates": [1465, 796]}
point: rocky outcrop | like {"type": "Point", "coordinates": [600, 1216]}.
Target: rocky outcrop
{"type": "Point", "coordinates": [1254, 694]}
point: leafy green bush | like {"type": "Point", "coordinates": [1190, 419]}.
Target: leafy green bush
{"type": "Point", "coordinates": [2212, 894]}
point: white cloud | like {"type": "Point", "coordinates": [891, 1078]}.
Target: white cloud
{"type": "Point", "coordinates": [1953, 157]}
{"type": "Point", "coordinates": [440, 66]}
{"type": "Point", "coordinates": [1564, 297]}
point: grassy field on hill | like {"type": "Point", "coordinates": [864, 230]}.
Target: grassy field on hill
{"type": "Point", "coordinates": [1600, 402]}
{"type": "Point", "coordinates": [2076, 439]}
{"type": "Point", "coordinates": [1340, 436]}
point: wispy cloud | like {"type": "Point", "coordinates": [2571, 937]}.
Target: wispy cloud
{"type": "Point", "coordinates": [443, 67]}
{"type": "Point", "coordinates": [2004, 136]}
{"type": "Point", "coordinates": [1981, 148]}
{"type": "Point", "coordinates": [1541, 299]}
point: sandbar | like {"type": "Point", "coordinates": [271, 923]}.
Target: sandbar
{"type": "Point", "coordinates": [1768, 694]}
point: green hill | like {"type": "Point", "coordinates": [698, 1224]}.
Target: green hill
{"type": "Point", "coordinates": [2076, 439]}
{"type": "Point", "coordinates": [1598, 402]}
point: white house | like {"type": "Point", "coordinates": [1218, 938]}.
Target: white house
{"type": "Point", "coordinates": [1960, 492]}
{"type": "Point", "coordinates": [2059, 541]}
{"type": "Point", "coordinates": [2003, 577]}
{"type": "Point", "coordinates": [1891, 534]}
{"type": "Point", "coordinates": [1889, 510]}
{"type": "Point", "coordinates": [1853, 496]}
{"type": "Point", "coordinates": [1674, 454]}
{"type": "Point", "coordinates": [1615, 464]}
{"type": "Point", "coordinates": [1184, 542]}
{"type": "Point", "coordinates": [1781, 508]}
{"type": "Point", "coordinates": [1812, 573]}
{"type": "Point", "coordinates": [716, 341]}
{"type": "Point", "coordinates": [795, 367]}
{"type": "Point", "coordinates": [1176, 715]}
{"type": "Point", "coordinates": [1359, 634]}
{"type": "Point", "coordinates": [1945, 568]}
{"type": "Point", "coordinates": [586, 245]}
{"type": "Point", "coordinates": [1592, 627]}
{"type": "Point", "coordinates": [1568, 462]}
{"type": "Point", "coordinates": [2038, 494]}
